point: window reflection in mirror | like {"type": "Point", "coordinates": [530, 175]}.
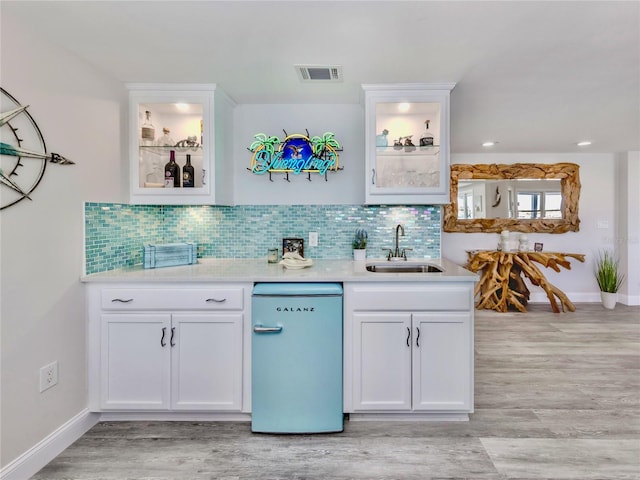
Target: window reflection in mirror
{"type": "Point", "coordinates": [521, 197]}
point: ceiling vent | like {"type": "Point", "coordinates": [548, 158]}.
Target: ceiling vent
{"type": "Point", "coordinates": [319, 73]}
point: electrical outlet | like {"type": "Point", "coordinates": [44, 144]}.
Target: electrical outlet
{"type": "Point", "coordinates": [48, 376]}
{"type": "Point", "coordinates": [313, 239]}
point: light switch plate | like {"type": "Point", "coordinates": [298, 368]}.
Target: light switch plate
{"type": "Point", "coordinates": [313, 239]}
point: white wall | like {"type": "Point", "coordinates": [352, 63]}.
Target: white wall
{"type": "Point", "coordinates": [80, 112]}
{"type": "Point", "coordinates": [597, 205]}
{"type": "Point", "coordinates": [627, 242]}
{"type": "Point", "coordinates": [343, 187]}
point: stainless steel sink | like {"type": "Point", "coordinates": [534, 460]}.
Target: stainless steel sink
{"type": "Point", "coordinates": [403, 268]}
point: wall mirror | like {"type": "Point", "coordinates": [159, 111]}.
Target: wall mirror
{"type": "Point", "coordinates": [521, 197]}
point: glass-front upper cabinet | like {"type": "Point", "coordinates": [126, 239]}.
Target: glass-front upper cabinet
{"type": "Point", "coordinates": [177, 144]}
{"type": "Point", "coordinates": [407, 143]}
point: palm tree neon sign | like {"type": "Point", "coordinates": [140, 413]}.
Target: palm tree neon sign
{"type": "Point", "coordinates": [296, 154]}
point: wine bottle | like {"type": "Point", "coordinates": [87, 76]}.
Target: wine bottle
{"type": "Point", "coordinates": [172, 171]}
{"type": "Point", "coordinates": [427, 138]}
{"type": "Point", "coordinates": [187, 173]}
{"type": "Point", "coordinates": [148, 131]}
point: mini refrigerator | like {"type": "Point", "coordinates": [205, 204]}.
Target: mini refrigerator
{"type": "Point", "coordinates": [296, 358]}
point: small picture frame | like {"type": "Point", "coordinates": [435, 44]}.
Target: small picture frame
{"type": "Point", "coordinates": [537, 247]}
{"type": "Point", "coordinates": [295, 245]}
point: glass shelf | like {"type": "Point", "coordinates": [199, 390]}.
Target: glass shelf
{"type": "Point", "coordinates": [395, 151]}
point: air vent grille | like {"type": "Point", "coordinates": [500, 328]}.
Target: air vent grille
{"type": "Point", "coordinates": [319, 73]}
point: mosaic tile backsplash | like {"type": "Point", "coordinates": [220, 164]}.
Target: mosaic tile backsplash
{"type": "Point", "coordinates": [116, 233]}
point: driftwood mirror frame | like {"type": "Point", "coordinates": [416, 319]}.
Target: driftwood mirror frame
{"type": "Point", "coordinates": [568, 173]}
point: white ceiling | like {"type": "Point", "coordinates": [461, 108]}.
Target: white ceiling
{"type": "Point", "coordinates": [536, 76]}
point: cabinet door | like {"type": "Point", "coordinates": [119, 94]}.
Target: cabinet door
{"type": "Point", "coordinates": [135, 361]}
{"type": "Point", "coordinates": [442, 361]}
{"type": "Point", "coordinates": [168, 120]}
{"type": "Point", "coordinates": [407, 143]}
{"type": "Point", "coordinates": [381, 361]}
{"type": "Point", "coordinates": [206, 362]}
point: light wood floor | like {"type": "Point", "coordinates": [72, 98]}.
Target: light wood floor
{"type": "Point", "coordinates": [557, 397]}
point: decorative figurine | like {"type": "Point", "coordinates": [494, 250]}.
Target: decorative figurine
{"type": "Point", "coordinates": [408, 144]}
{"type": "Point", "coordinates": [381, 139]}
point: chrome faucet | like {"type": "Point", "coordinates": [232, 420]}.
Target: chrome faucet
{"type": "Point", "coordinates": [396, 254]}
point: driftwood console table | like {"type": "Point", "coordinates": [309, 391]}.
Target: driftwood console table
{"type": "Point", "coordinates": [502, 286]}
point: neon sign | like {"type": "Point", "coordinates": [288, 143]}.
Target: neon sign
{"type": "Point", "coordinates": [296, 154]}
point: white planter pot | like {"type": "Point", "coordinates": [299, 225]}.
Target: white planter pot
{"type": "Point", "coordinates": [359, 254]}
{"type": "Point", "coordinates": [609, 300]}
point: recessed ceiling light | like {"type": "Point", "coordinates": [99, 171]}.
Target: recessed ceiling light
{"type": "Point", "coordinates": [489, 144]}
{"type": "Point", "coordinates": [404, 107]}
{"type": "Point", "coordinates": [183, 107]}
{"type": "Point", "coordinates": [584, 144]}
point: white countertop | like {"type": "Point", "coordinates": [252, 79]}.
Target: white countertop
{"type": "Point", "coordinates": [258, 270]}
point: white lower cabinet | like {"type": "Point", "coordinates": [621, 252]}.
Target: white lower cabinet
{"type": "Point", "coordinates": [442, 363]}
{"type": "Point", "coordinates": [175, 360]}
{"type": "Point", "coordinates": [407, 352]}
{"type": "Point", "coordinates": [382, 361]}
{"type": "Point", "coordinates": [214, 340]}
{"type": "Point", "coordinates": [178, 362]}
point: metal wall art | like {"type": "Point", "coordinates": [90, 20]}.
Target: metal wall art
{"type": "Point", "coordinates": [296, 154]}
{"type": "Point", "coordinates": [23, 152]}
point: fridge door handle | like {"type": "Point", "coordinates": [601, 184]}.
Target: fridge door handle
{"type": "Point", "coordinates": [262, 329]}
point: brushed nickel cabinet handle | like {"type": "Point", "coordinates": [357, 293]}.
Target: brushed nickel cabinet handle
{"type": "Point", "coordinates": [262, 329]}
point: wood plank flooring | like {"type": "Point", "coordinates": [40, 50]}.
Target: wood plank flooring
{"type": "Point", "coordinates": [557, 397]}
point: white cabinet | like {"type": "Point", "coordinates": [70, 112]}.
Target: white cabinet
{"type": "Point", "coordinates": [167, 348]}
{"type": "Point", "coordinates": [381, 361]}
{"type": "Point", "coordinates": [411, 347]}
{"type": "Point", "coordinates": [134, 365]}
{"type": "Point", "coordinates": [442, 361]}
{"type": "Point", "coordinates": [206, 362]}
{"type": "Point", "coordinates": [407, 143]}
{"type": "Point", "coordinates": [186, 121]}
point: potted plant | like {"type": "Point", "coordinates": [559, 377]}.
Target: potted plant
{"type": "Point", "coordinates": [360, 244]}
{"type": "Point", "coordinates": [609, 278]}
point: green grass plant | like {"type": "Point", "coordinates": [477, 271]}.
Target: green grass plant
{"type": "Point", "coordinates": [607, 272]}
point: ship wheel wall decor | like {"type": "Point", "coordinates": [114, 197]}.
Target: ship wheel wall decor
{"type": "Point", "coordinates": [23, 152]}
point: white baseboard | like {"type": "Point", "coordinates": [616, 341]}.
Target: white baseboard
{"type": "Point", "coordinates": [629, 299]}
{"type": "Point", "coordinates": [175, 417]}
{"type": "Point", "coordinates": [541, 297]}
{"type": "Point", "coordinates": [409, 417]}
{"type": "Point", "coordinates": [31, 461]}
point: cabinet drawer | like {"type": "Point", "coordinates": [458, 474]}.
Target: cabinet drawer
{"type": "Point", "coordinates": [409, 297]}
{"type": "Point", "coordinates": [230, 298]}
